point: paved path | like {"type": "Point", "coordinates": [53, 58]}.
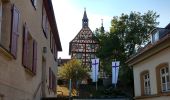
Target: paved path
{"type": "Point", "coordinates": [103, 99]}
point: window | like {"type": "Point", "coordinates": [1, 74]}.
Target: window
{"type": "Point", "coordinates": [79, 55]}
{"type": "Point", "coordinates": [162, 76]}
{"type": "Point", "coordinates": [52, 80]}
{"type": "Point", "coordinates": [45, 23]}
{"type": "Point", "coordinates": [145, 83]}
{"type": "Point", "coordinates": [55, 52]}
{"type": "Point", "coordinates": [15, 32]}
{"type": "Point", "coordinates": [9, 23]}
{"type": "Point", "coordinates": [51, 41]}
{"type": "Point", "coordinates": [147, 89]}
{"type": "Point", "coordinates": [34, 3]}
{"type": "Point", "coordinates": [165, 82]}
{"type": "Point", "coordinates": [29, 51]}
{"type": "Point", "coordinates": [155, 36]}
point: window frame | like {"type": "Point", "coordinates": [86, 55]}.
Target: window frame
{"type": "Point", "coordinates": [45, 22]}
{"type": "Point", "coordinates": [155, 36]}
{"type": "Point", "coordinates": [158, 78]}
{"type": "Point", "coordinates": [164, 75]}
{"type": "Point", "coordinates": [30, 65]}
{"type": "Point", "coordinates": [142, 80]}
{"type": "Point", "coordinates": [147, 89]}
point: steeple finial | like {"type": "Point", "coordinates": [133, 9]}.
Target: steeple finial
{"type": "Point", "coordinates": [85, 19]}
{"type": "Point", "coordinates": [102, 28]}
{"type": "Point", "coordinates": [102, 22]}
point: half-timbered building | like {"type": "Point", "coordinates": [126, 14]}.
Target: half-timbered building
{"type": "Point", "coordinates": [84, 46]}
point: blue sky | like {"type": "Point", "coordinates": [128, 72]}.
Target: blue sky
{"type": "Point", "coordinates": [69, 14]}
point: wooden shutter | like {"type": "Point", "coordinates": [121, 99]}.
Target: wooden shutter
{"type": "Point", "coordinates": [54, 84]}
{"type": "Point", "coordinates": [25, 47]}
{"type": "Point", "coordinates": [50, 78]}
{"type": "Point", "coordinates": [51, 39]}
{"type": "Point", "coordinates": [44, 21]}
{"type": "Point", "coordinates": [53, 78]}
{"type": "Point", "coordinates": [14, 31]}
{"type": "Point", "coordinates": [34, 65]}
{"type": "Point", "coordinates": [55, 52]}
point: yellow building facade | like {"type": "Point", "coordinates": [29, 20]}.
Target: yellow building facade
{"type": "Point", "coordinates": [29, 44]}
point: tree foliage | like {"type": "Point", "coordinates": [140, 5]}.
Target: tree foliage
{"type": "Point", "coordinates": [73, 70]}
{"type": "Point", "coordinates": [133, 29]}
{"type": "Point", "coordinates": [127, 33]}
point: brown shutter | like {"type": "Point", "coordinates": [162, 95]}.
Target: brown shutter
{"type": "Point", "coordinates": [55, 54]}
{"type": "Point", "coordinates": [53, 45]}
{"type": "Point", "coordinates": [44, 21]}
{"type": "Point", "coordinates": [50, 78]}
{"type": "Point", "coordinates": [25, 47]}
{"type": "Point", "coordinates": [51, 41]}
{"type": "Point", "coordinates": [53, 78]}
{"type": "Point", "coordinates": [34, 65]}
{"type": "Point", "coordinates": [54, 84]}
{"type": "Point", "coordinates": [14, 31]}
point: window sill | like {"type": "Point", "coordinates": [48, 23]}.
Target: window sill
{"type": "Point", "coordinates": [147, 96]}
{"type": "Point", "coordinates": [5, 0]}
{"type": "Point", "coordinates": [29, 72]}
{"type": "Point", "coordinates": [165, 93]}
{"type": "Point", "coordinates": [4, 52]}
{"type": "Point", "coordinates": [153, 95]}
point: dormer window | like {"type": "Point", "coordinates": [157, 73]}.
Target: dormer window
{"type": "Point", "coordinates": [155, 36]}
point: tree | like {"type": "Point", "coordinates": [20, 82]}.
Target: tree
{"type": "Point", "coordinates": [73, 70]}
{"type": "Point", "coordinates": [133, 29]}
{"type": "Point", "coordinates": [127, 34]}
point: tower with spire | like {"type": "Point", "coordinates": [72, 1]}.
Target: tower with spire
{"type": "Point", "coordinates": [85, 20]}
{"type": "Point", "coordinates": [83, 46]}
{"type": "Point", "coordinates": [102, 28]}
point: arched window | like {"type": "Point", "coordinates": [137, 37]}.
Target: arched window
{"type": "Point", "coordinates": [163, 78]}
{"type": "Point", "coordinates": [164, 75]}
{"type": "Point", "coordinates": [145, 83]}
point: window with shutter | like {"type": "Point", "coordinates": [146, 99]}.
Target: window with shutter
{"type": "Point", "coordinates": [50, 78]}
{"type": "Point", "coordinates": [53, 82]}
{"type": "Point", "coordinates": [55, 54]}
{"type": "Point", "coordinates": [14, 32]}
{"type": "Point", "coordinates": [0, 18]}
{"type": "Point", "coordinates": [51, 40]}
{"type": "Point", "coordinates": [44, 22]}
{"type": "Point", "coordinates": [25, 47]}
{"type": "Point", "coordinates": [34, 65]}
{"type": "Point", "coordinates": [29, 57]}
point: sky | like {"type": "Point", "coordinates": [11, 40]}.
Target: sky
{"type": "Point", "coordinates": [69, 14]}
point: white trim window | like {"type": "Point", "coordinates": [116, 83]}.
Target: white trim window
{"type": "Point", "coordinates": [165, 79]}
{"type": "Point", "coordinates": [147, 88]}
